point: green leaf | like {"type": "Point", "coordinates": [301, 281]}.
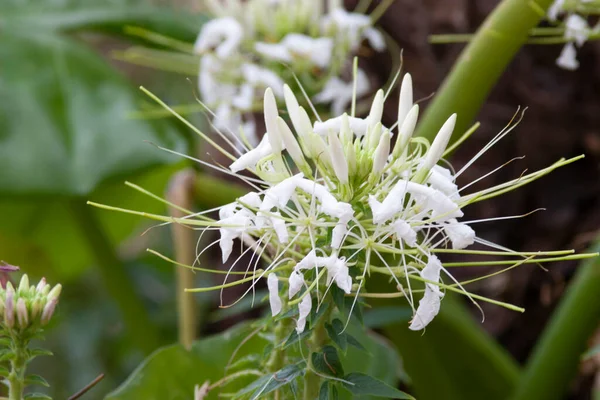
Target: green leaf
{"type": "Point", "coordinates": [361, 384]}
{"type": "Point", "coordinates": [6, 354]}
{"type": "Point", "coordinates": [352, 341]}
{"type": "Point", "coordinates": [36, 380]}
{"type": "Point", "coordinates": [328, 362]}
{"type": "Point", "coordinates": [268, 383]}
{"type": "Point", "coordinates": [382, 316]}
{"type": "Point", "coordinates": [37, 396]}
{"type": "Point", "coordinates": [295, 337]}
{"type": "Point", "coordinates": [324, 391]}
{"type": "Point", "coordinates": [172, 372]}
{"type": "Point", "coordinates": [38, 352]}
{"type": "Point", "coordinates": [336, 334]}
{"type": "Point", "coordinates": [4, 371]}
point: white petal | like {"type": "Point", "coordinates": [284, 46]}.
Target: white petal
{"type": "Point", "coordinates": [405, 232]}
{"type": "Point", "coordinates": [375, 39]}
{"type": "Point", "coordinates": [431, 272]}
{"type": "Point", "coordinates": [280, 194]}
{"type": "Point", "coordinates": [337, 270]}
{"type": "Point", "coordinates": [441, 179]}
{"type": "Point", "coordinates": [308, 262]}
{"type": "Point", "coordinates": [273, 51]}
{"type": "Point", "coordinates": [295, 283]}
{"type": "Point", "coordinates": [249, 159]}
{"type": "Point", "coordinates": [223, 33]}
{"type": "Point", "coordinates": [304, 310]}
{"type": "Point", "coordinates": [259, 76]}
{"type": "Point", "coordinates": [289, 142]}
{"type": "Point", "coordinates": [252, 199]}
{"type": "Point", "coordinates": [336, 151]}
{"type": "Point", "coordinates": [274, 299]}
{"type": "Point", "coordinates": [318, 50]}
{"type": "Point", "coordinates": [280, 228]}
{"type": "Point", "coordinates": [461, 235]}
{"type": "Point", "coordinates": [429, 307]}
{"type": "Point", "coordinates": [577, 29]}
{"type": "Point", "coordinates": [357, 125]}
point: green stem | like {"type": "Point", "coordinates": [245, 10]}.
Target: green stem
{"type": "Point", "coordinates": [18, 364]}
{"type": "Point", "coordinates": [312, 381]}
{"type": "Point", "coordinates": [556, 357]}
{"type": "Point", "coordinates": [119, 285]}
{"type": "Point", "coordinates": [481, 64]}
{"type": "Point", "coordinates": [184, 244]}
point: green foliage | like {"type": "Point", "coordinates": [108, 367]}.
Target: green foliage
{"type": "Point", "coordinates": [361, 384]}
{"type": "Point", "coordinates": [328, 362]}
{"type": "Point", "coordinates": [454, 358]}
{"type": "Point", "coordinates": [172, 372]}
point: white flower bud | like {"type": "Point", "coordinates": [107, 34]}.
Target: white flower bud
{"type": "Point", "coordinates": [374, 135]}
{"type": "Point", "coordinates": [22, 317]}
{"type": "Point", "coordinates": [271, 114]}
{"type": "Point", "coordinates": [338, 159]}
{"type": "Point", "coordinates": [346, 134]}
{"type": "Point", "coordinates": [439, 143]}
{"type": "Point", "coordinates": [350, 158]}
{"type": "Point", "coordinates": [376, 108]}
{"type": "Point", "coordinates": [293, 108]}
{"type": "Point", "coordinates": [274, 299]}
{"type": "Point", "coordinates": [382, 153]}
{"type": "Point", "coordinates": [290, 142]}
{"type": "Point", "coordinates": [305, 126]}
{"type": "Point", "coordinates": [406, 99]}
{"type": "Point", "coordinates": [405, 131]}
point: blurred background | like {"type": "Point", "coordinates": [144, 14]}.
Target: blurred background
{"type": "Point", "coordinates": [74, 127]}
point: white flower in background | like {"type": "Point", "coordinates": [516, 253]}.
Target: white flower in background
{"type": "Point", "coordinates": [576, 28]}
{"type": "Point", "coordinates": [348, 197]}
{"type": "Point", "coordinates": [255, 44]}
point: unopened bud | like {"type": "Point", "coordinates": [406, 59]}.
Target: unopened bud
{"type": "Point", "coordinates": [41, 285]}
{"type": "Point", "coordinates": [346, 134]}
{"type": "Point", "coordinates": [55, 292]}
{"type": "Point", "coordinates": [439, 143]}
{"type": "Point", "coordinates": [405, 131]}
{"type": "Point", "coordinates": [406, 99]}
{"type": "Point", "coordinates": [22, 317]}
{"type": "Point", "coordinates": [24, 284]}
{"type": "Point", "coordinates": [290, 142]}
{"type": "Point", "coordinates": [271, 114]}
{"type": "Point", "coordinates": [9, 311]}
{"type": "Point", "coordinates": [340, 166]}
{"type": "Point", "coordinates": [376, 108]}
{"type": "Point", "coordinates": [36, 308]}
{"type": "Point", "coordinates": [48, 311]}
{"type": "Point", "coordinates": [382, 153]}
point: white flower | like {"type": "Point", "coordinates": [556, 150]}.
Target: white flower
{"type": "Point", "coordinates": [576, 29]}
{"type": "Point", "coordinates": [461, 235]}
{"type": "Point", "coordinates": [225, 34]}
{"type": "Point", "coordinates": [295, 283]}
{"type": "Point", "coordinates": [339, 93]}
{"type": "Point", "coordinates": [274, 299]}
{"type": "Point", "coordinates": [568, 58]}
{"type": "Point", "coordinates": [294, 45]}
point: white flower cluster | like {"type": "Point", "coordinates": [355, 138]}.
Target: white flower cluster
{"type": "Point", "coordinates": [243, 51]}
{"type": "Point", "coordinates": [577, 32]}
{"type": "Point", "coordinates": [355, 189]}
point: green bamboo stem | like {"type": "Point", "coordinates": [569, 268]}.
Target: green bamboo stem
{"type": "Point", "coordinates": [556, 357]}
{"type": "Point", "coordinates": [184, 244]}
{"type": "Point", "coordinates": [139, 327]}
{"type": "Point", "coordinates": [481, 64]}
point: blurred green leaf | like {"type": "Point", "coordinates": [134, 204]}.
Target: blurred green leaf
{"type": "Point", "coordinates": [454, 358]}
{"type": "Point", "coordinates": [328, 362]}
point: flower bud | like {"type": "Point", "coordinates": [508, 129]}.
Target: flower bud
{"type": "Point", "coordinates": [305, 127]}
{"type": "Point", "coordinates": [406, 99]}
{"type": "Point", "coordinates": [382, 153]}
{"type": "Point", "coordinates": [22, 317]}
{"type": "Point", "coordinates": [41, 285]}
{"type": "Point", "coordinates": [271, 114]}
{"type": "Point", "coordinates": [48, 311]}
{"type": "Point", "coordinates": [374, 135]}
{"type": "Point", "coordinates": [36, 308]}
{"type": "Point", "coordinates": [293, 108]}
{"type": "Point", "coordinates": [376, 108]}
{"type": "Point", "coordinates": [24, 284]}
{"type": "Point", "coordinates": [9, 311]}
{"type": "Point", "coordinates": [346, 134]}
{"type": "Point", "coordinates": [54, 293]}
{"type": "Point", "coordinates": [438, 146]}
{"type": "Point", "coordinates": [290, 142]}
{"type": "Point", "coordinates": [340, 166]}
{"type": "Point", "coordinates": [405, 131]}
{"type": "Point", "coordinates": [350, 157]}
